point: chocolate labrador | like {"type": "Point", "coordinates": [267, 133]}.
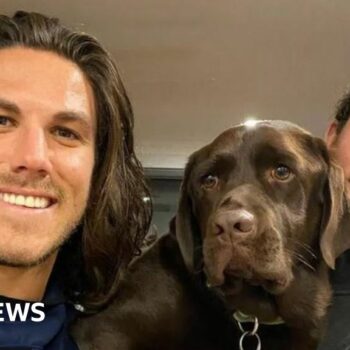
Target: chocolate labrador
{"type": "Point", "coordinates": [261, 218]}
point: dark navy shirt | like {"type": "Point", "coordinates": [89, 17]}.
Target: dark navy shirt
{"type": "Point", "coordinates": [50, 334]}
{"type": "Point", "coordinates": [338, 332]}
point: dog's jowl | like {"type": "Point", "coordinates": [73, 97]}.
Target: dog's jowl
{"type": "Point", "coordinates": [262, 217]}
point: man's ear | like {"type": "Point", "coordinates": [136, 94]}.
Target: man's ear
{"type": "Point", "coordinates": [331, 134]}
{"type": "Point", "coordinates": [335, 236]}
{"type": "Point", "coordinates": [187, 231]}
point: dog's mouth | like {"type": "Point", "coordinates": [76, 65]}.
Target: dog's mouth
{"type": "Point", "coordinates": [249, 297]}
{"type": "Point", "coordinates": [227, 264]}
{"type": "Point", "coordinates": [273, 284]}
{"type": "Point", "coordinates": [235, 280]}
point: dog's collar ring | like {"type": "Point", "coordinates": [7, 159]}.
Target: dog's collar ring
{"type": "Point", "coordinates": [251, 333]}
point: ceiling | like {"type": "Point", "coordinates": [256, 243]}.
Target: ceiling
{"type": "Point", "coordinates": [196, 67]}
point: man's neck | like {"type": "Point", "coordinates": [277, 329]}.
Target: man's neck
{"type": "Point", "coordinates": [26, 283]}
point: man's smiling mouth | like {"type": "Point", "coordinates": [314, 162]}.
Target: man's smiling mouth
{"type": "Point", "coordinates": [25, 201]}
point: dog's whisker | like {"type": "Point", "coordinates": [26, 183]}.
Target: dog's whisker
{"type": "Point", "coordinates": [304, 246]}
{"type": "Point", "coordinates": [306, 263]}
{"type": "Point", "coordinates": [301, 259]}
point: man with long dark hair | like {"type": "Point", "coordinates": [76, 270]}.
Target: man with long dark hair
{"type": "Point", "coordinates": [72, 209]}
{"type": "Point", "coordinates": [338, 140]}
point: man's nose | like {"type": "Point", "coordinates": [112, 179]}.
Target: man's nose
{"type": "Point", "coordinates": [31, 152]}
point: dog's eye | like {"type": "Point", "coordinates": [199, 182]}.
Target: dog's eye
{"type": "Point", "coordinates": [281, 173]}
{"type": "Point", "coordinates": [209, 181]}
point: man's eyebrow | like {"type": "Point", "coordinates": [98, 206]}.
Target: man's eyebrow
{"type": "Point", "coordinates": [9, 106]}
{"type": "Point", "coordinates": [72, 116]}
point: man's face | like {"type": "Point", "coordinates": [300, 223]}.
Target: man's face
{"type": "Point", "coordinates": [340, 147]}
{"type": "Point", "coordinates": [47, 135]}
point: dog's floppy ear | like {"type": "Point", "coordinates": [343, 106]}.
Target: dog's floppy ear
{"type": "Point", "coordinates": [187, 231]}
{"type": "Point", "coordinates": [335, 238]}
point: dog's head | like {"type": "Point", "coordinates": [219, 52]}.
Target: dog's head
{"type": "Point", "coordinates": [259, 202]}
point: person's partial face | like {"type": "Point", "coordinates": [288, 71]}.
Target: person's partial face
{"type": "Point", "coordinates": [47, 135]}
{"type": "Point", "coordinates": [340, 147]}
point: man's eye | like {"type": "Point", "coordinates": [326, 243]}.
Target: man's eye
{"type": "Point", "coordinates": [66, 133]}
{"type": "Point", "coordinates": [5, 121]}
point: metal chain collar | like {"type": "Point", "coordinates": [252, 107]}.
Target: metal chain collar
{"type": "Point", "coordinates": [249, 333]}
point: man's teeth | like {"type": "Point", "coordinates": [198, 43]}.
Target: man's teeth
{"type": "Point", "coordinates": [25, 201]}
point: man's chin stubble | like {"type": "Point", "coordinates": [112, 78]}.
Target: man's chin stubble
{"type": "Point", "coordinates": [25, 263]}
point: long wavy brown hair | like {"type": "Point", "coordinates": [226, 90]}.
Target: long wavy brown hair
{"type": "Point", "coordinates": [117, 216]}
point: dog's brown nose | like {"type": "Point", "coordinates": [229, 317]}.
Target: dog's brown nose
{"type": "Point", "coordinates": [238, 221]}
